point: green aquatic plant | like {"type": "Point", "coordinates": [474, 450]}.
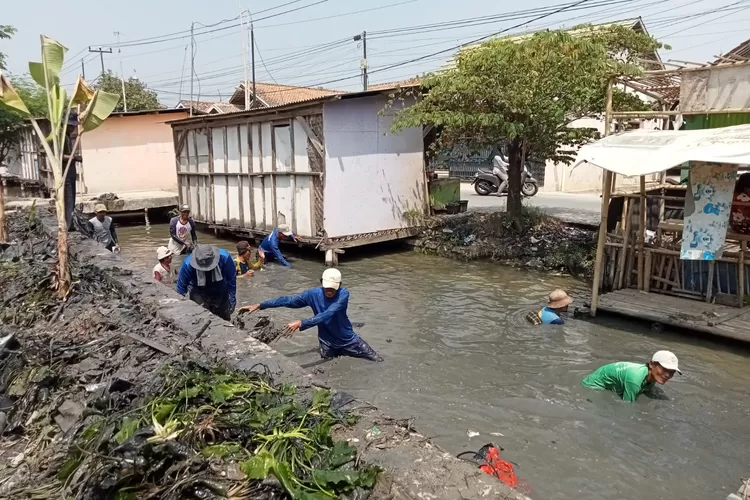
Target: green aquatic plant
{"type": "Point", "coordinates": [196, 420]}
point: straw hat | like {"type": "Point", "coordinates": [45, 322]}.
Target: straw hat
{"type": "Point", "coordinates": [559, 299]}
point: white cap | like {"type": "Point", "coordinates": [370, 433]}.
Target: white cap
{"type": "Point", "coordinates": [163, 253]}
{"type": "Point", "coordinates": [284, 229]}
{"type": "Point", "coordinates": [667, 359]}
{"type": "Point", "coordinates": [331, 278]}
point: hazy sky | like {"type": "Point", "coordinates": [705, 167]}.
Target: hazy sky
{"type": "Point", "coordinates": [313, 45]}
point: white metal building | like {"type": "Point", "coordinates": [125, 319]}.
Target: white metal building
{"type": "Point", "coordinates": [329, 168]}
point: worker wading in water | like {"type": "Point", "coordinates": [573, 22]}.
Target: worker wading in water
{"type": "Point", "coordinates": [329, 302]}
{"type": "Point", "coordinates": [209, 278]}
{"type": "Point", "coordinates": [103, 229]}
{"type": "Point", "coordinates": [630, 380]}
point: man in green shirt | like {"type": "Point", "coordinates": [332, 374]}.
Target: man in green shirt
{"type": "Point", "coordinates": [629, 380]}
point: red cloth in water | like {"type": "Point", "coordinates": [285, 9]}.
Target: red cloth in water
{"type": "Point", "coordinates": [499, 468]}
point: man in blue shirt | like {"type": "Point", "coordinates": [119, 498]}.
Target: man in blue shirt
{"type": "Point", "coordinates": [558, 302]}
{"type": "Point", "coordinates": [210, 277]}
{"type": "Point", "coordinates": [329, 303]}
{"type": "Point", "coordinates": [270, 244]}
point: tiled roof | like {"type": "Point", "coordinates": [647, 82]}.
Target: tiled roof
{"type": "Point", "coordinates": [198, 106]}
{"type": "Point", "coordinates": [739, 53]}
{"type": "Point", "coordinates": [224, 107]}
{"type": "Point", "coordinates": [411, 82]}
{"type": "Point", "coordinates": [272, 94]}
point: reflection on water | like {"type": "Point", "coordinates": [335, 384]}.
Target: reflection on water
{"type": "Point", "coordinates": [459, 356]}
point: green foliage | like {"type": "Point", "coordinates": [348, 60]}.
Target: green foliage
{"type": "Point", "coordinates": [6, 32]}
{"type": "Point", "coordinates": [526, 92]}
{"type": "Point", "coordinates": [198, 419]}
{"type": "Point", "coordinates": [139, 97]}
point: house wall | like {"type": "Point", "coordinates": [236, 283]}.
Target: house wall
{"type": "Point", "coordinates": [251, 175]}
{"type": "Point", "coordinates": [130, 153]}
{"type": "Point", "coordinates": [559, 177]}
{"type": "Point", "coordinates": [372, 177]}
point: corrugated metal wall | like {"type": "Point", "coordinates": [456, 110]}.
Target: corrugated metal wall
{"type": "Point", "coordinates": [703, 122]}
{"type": "Point", "coordinates": [248, 175]}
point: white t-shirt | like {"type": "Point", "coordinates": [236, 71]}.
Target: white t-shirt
{"type": "Point", "coordinates": [167, 275]}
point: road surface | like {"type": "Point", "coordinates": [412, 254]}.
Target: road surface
{"type": "Point", "coordinates": [579, 208]}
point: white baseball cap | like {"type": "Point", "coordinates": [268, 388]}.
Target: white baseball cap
{"type": "Point", "coordinates": [667, 359]}
{"type": "Point", "coordinates": [284, 229]}
{"type": "Point", "coordinates": [331, 278]}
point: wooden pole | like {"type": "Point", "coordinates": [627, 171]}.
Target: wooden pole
{"type": "Point", "coordinates": [642, 230]}
{"type": "Point", "coordinates": [606, 191]}
{"type": "Point", "coordinates": [627, 226]}
{"type": "Point", "coordinates": [647, 275]}
{"type": "Point", "coordinates": [741, 273]}
{"type": "Point", "coordinates": [710, 285]}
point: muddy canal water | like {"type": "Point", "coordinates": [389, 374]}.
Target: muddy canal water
{"type": "Point", "coordinates": [459, 357]}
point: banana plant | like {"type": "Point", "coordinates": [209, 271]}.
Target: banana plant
{"type": "Point", "coordinates": [96, 105]}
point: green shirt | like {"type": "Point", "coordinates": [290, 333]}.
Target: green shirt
{"type": "Point", "coordinates": [628, 380]}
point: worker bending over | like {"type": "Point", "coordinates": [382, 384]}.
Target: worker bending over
{"type": "Point", "coordinates": [630, 380]}
{"type": "Point", "coordinates": [329, 303]}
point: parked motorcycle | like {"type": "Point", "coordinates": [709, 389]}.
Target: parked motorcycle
{"type": "Point", "coordinates": [486, 183]}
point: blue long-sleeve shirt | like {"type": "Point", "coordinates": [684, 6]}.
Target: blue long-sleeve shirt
{"type": "Point", "coordinates": [270, 245]}
{"type": "Point", "coordinates": [188, 279]}
{"type": "Point", "coordinates": [334, 327]}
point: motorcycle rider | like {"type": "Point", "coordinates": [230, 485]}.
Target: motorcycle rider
{"type": "Point", "coordinates": [500, 169]}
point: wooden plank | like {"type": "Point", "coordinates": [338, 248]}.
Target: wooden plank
{"type": "Point", "coordinates": [648, 273]}
{"type": "Point", "coordinates": [710, 283]}
{"type": "Point", "coordinates": [642, 233]}
{"type": "Point", "coordinates": [741, 274]}
{"type": "Point", "coordinates": [150, 343]}
{"type": "Point", "coordinates": [316, 142]}
{"type": "Point", "coordinates": [293, 179]}
{"type": "Point", "coordinates": [625, 240]}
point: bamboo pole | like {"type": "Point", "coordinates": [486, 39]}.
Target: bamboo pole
{"type": "Point", "coordinates": [710, 284]}
{"type": "Point", "coordinates": [647, 276]}
{"type": "Point", "coordinates": [625, 242]}
{"type": "Point", "coordinates": [642, 231]}
{"type": "Point", "coordinates": [741, 273]}
{"type": "Point", "coordinates": [606, 191]}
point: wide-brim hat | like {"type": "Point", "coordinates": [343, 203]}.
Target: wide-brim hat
{"type": "Point", "coordinates": [163, 253]}
{"type": "Point", "coordinates": [559, 299]}
{"type": "Point", "coordinates": [205, 257]}
{"type": "Point", "coordinates": [284, 229]}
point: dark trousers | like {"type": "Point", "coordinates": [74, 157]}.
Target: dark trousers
{"type": "Point", "coordinates": [218, 305]}
{"type": "Point", "coordinates": [69, 194]}
{"type": "Point", "coordinates": [360, 349]}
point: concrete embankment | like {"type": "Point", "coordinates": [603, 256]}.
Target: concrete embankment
{"type": "Point", "coordinates": [414, 467]}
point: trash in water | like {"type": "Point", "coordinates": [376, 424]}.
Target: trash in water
{"type": "Point", "coordinates": [500, 434]}
{"type": "Point", "coordinates": [472, 434]}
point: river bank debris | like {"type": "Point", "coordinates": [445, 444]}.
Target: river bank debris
{"type": "Point", "coordinates": [91, 409]}
{"type": "Point", "coordinates": [544, 242]}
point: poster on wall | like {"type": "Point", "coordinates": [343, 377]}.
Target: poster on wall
{"type": "Point", "coordinates": [711, 186]}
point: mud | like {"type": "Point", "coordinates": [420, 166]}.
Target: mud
{"type": "Point", "coordinates": [543, 241]}
{"type": "Point", "coordinates": [98, 353]}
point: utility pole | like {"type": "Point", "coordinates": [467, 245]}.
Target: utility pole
{"type": "Point", "coordinates": [363, 39]}
{"type": "Point", "coordinates": [122, 73]}
{"type": "Point", "coordinates": [252, 43]}
{"type": "Point", "coordinates": [83, 69]}
{"type": "Point", "coordinates": [192, 64]}
{"type": "Point", "coordinates": [101, 52]}
{"type": "Point", "coordinates": [246, 83]}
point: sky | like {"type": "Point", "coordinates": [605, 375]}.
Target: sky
{"type": "Point", "coordinates": [310, 42]}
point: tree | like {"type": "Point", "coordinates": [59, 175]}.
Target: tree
{"type": "Point", "coordinates": [6, 32]}
{"type": "Point", "coordinates": [527, 91]}
{"type": "Point", "coordinates": [139, 97]}
{"type": "Point", "coordinates": [97, 105]}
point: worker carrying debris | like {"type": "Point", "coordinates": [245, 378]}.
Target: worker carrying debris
{"type": "Point", "coordinates": [209, 278]}
{"type": "Point", "coordinates": [329, 303]}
